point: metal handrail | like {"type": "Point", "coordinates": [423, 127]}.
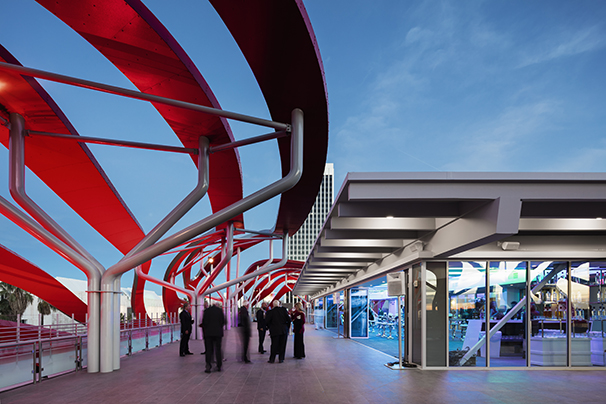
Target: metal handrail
{"type": "Point", "coordinates": [73, 81]}
{"type": "Point", "coordinates": [38, 347]}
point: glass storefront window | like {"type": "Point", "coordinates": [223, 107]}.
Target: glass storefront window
{"type": "Point", "coordinates": [579, 314]}
{"type": "Point", "coordinates": [341, 314]}
{"type": "Point", "coordinates": [595, 313]}
{"type": "Point", "coordinates": [507, 303]}
{"type": "Point", "coordinates": [562, 322]}
{"type": "Point", "coordinates": [382, 317]}
{"type": "Point", "coordinates": [549, 288]}
{"type": "Point", "coordinates": [332, 310]}
{"type": "Point", "coordinates": [319, 313]}
{"type": "Point", "coordinates": [467, 301]}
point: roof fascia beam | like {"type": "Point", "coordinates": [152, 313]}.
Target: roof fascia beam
{"type": "Point", "coordinates": [478, 190]}
{"type": "Point", "coordinates": [399, 209]}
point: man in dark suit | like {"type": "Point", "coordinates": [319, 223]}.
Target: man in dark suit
{"type": "Point", "coordinates": [278, 322]}
{"type": "Point", "coordinates": [186, 322]}
{"type": "Point", "coordinates": [261, 326]}
{"type": "Point", "coordinates": [213, 321]}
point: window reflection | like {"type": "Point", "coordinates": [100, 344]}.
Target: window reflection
{"type": "Point", "coordinates": [332, 312]}
{"type": "Point", "coordinates": [596, 311]}
{"type": "Point", "coordinates": [565, 312]}
{"type": "Point", "coordinates": [382, 318]}
{"type": "Point", "coordinates": [507, 308]}
{"type": "Point", "coordinates": [467, 299]}
{"type": "Point", "coordinates": [549, 291]}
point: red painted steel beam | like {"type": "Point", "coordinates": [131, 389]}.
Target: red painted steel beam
{"type": "Point", "coordinates": [170, 298]}
{"type": "Point", "coordinates": [290, 264]}
{"type": "Point", "coordinates": [277, 40]}
{"type": "Point", "coordinates": [21, 273]}
{"type": "Point", "coordinates": [68, 168]}
{"type": "Point", "coordinates": [135, 41]}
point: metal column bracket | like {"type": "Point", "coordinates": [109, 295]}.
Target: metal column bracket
{"type": "Point", "coordinates": [17, 190]}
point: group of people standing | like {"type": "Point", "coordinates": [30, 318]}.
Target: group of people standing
{"type": "Point", "coordinates": [276, 320]}
{"type": "Point", "coordinates": [213, 322]}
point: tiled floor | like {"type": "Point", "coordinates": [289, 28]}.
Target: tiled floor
{"type": "Point", "coordinates": [335, 371]}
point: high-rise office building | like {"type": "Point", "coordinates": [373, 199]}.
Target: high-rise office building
{"type": "Point", "coordinates": [302, 241]}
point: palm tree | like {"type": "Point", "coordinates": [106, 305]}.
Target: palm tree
{"type": "Point", "coordinates": [45, 308]}
{"type": "Point", "coordinates": [18, 300]}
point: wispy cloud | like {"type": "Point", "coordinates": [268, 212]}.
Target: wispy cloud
{"type": "Point", "coordinates": [440, 40]}
{"type": "Point", "coordinates": [451, 96]}
{"type": "Point", "coordinates": [494, 143]}
{"type": "Point", "coordinates": [586, 159]}
{"type": "Point", "coordinates": [564, 45]}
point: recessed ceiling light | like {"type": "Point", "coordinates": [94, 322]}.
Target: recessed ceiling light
{"type": "Point", "coordinates": [389, 217]}
{"type": "Point", "coordinates": [598, 218]}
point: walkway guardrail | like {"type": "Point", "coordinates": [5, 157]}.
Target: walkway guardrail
{"type": "Point", "coordinates": [30, 354]}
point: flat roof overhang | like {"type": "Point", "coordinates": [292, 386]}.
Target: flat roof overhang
{"type": "Point", "coordinates": [381, 222]}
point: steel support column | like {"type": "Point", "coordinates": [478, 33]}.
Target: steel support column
{"type": "Point", "coordinates": [222, 216]}
{"type": "Point", "coordinates": [53, 235]}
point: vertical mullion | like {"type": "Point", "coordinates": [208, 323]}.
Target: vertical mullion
{"type": "Point", "coordinates": [487, 312]}
{"type": "Point", "coordinates": [568, 319]}
{"type": "Point", "coordinates": [527, 319]}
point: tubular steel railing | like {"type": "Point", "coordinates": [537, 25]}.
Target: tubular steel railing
{"type": "Point", "coordinates": [30, 353]}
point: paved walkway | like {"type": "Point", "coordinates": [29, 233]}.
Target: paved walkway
{"type": "Point", "coordinates": [335, 371]}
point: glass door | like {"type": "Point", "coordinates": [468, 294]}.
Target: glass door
{"type": "Point", "coordinates": [358, 302]}
{"type": "Point", "coordinates": [415, 325]}
{"type": "Point", "coordinates": [332, 311]}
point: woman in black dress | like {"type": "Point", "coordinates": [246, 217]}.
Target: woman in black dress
{"type": "Point", "coordinates": [298, 320]}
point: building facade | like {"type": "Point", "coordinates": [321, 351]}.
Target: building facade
{"type": "Point", "coordinates": [516, 259]}
{"type": "Point", "coordinates": [302, 241]}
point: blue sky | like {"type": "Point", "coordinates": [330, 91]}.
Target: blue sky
{"type": "Point", "coordinates": [412, 86]}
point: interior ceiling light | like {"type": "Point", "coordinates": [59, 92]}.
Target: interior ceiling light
{"type": "Point", "coordinates": [389, 217]}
